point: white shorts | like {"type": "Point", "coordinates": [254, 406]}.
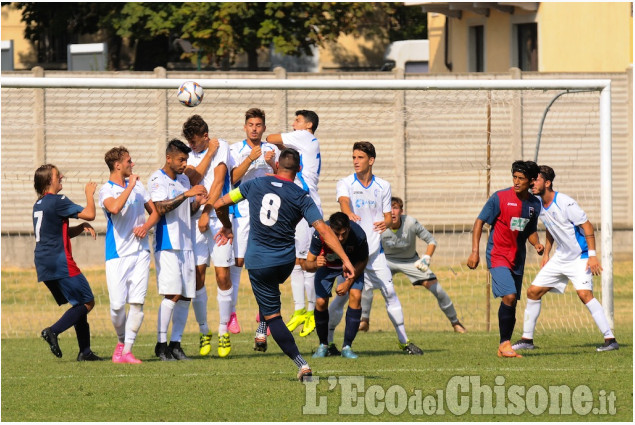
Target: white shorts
{"type": "Point", "coordinates": [127, 279]}
{"type": "Point", "coordinates": [175, 272]}
{"type": "Point", "coordinates": [303, 233]}
{"type": "Point", "coordinates": [205, 248]}
{"type": "Point", "coordinates": [241, 236]}
{"type": "Point", "coordinates": [557, 273]}
{"type": "Point", "coordinates": [377, 275]}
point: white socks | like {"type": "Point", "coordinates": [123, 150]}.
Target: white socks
{"type": "Point", "coordinates": [367, 303]}
{"type": "Point", "coordinates": [309, 287]}
{"type": "Point", "coordinates": [133, 324]}
{"type": "Point", "coordinates": [199, 304]}
{"type": "Point", "coordinates": [118, 318]}
{"type": "Point", "coordinates": [297, 286]}
{"type": "Point", "coordinates": [395, 313]}
{"type": "Point", "coordinates": [224, 299]}
{"type": "Point", "coordinates": [234, 276]}
{"type": "Point", "coordinates": [597, 312]}
{"type": "Point", "coordinates": [179, 319]}
{"type": "Point", "coordinates": [166, 309]}
{"type": "Point", "coordinates": [532, 311]}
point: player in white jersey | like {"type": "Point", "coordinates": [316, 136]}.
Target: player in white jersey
{"type": "Point", "coordinates": [250, 159]}
{"type": "Point", "coordinates": [575, 259]}
{"type": "Point", "coordinates": [399, 243]}
{"type": "Point", "coordinates": [365, 198]}
{"type": "Point", "coordinates": [205, 226]}
{"type": "Point", "coordinates": [124, 201]}
{"type": "Point", "coordinates": [304, 141]}
{"type": "Point", "coordinates": [172, 194]}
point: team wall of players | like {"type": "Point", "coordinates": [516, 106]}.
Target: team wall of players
{"type": "Point", "coordinates": [189, 237]}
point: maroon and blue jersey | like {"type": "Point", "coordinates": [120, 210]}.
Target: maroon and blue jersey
{"type": "Point", "coordinates": [53, 253]}
{"type": "Point", "coordinates": [355, 247]}
{"type": "Point", "coordinates": [276, 205]}
{"type": "Point", "coordinates": [512, 221]}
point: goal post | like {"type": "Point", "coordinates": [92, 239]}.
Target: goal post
{"type": "Point", "coordinates": [601, 86]}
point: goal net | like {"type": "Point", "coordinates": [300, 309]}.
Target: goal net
{"type": "Point", "coordinates": [444, 151]}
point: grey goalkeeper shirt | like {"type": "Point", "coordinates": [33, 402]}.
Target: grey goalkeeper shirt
{"type": "Point", "coordinates": [402, 243]}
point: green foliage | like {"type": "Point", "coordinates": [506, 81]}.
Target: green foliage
{"type": "Point", "coordinates": [222, 30]}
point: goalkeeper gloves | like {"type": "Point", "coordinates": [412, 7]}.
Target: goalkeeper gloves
{"type": "Point", "coordinates": [423, 264]}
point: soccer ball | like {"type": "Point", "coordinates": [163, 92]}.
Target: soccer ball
{"type": "Point", "coordinates": [190, 93]}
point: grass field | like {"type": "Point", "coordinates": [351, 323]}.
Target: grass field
{"type": "Point", "coordinates": [250, 386]}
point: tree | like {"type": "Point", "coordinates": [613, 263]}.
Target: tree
{"type": "Point", "coordinates": [217, 31]}
{"type": "Point", "coordinates": [51, 26]}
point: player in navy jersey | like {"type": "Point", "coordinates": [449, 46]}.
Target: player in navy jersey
{"type": "Point", "coordinates": [513, 214]}
{"type": "Point", "coordinates": [327, 267]}
{"type": "Point", "coordinates": [276, 205]}
{"type": "Point", "coordinates": [54, 257]}
{"type": "Point", "coordinates": [575, 259]}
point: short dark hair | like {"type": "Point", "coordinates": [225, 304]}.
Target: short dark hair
{"type": "Point", "coordinates": [175, 145]}
{"type": "Point", "coordinates": [311, 117]}
{"type": "Point", "coordinates": [194, 126]}
{"type": "Point", "coordinates": [528, 168]}
{"type": "Point", "coordinates": [365, 147]}
{"type": "Point", "coordinates": [115, 155]}
{"type": "Point", "coordinates": [547, 173]}
{"type": "Point", "coordinates": [339, 221]}
{"type": "Point", "coordinates": [289, 160]}
{"type": "Point", "coordinates": [396, 200]}
{"type": "Point", "coordinates": [42, 178]}
{"type": "Point", "coordinates": [255, 113]}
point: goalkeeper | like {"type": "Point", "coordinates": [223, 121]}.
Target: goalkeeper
{"type": "Point", "coordinates": [399, 242]}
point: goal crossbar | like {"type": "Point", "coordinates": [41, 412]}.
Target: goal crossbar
{"type": "Point", "coordinates": [601, 85]}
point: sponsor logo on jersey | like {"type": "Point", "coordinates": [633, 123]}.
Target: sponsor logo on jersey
{"type": "Point", "coordinates": [512, 204]}
{"type": "Point", "coordinates": [518, 223]}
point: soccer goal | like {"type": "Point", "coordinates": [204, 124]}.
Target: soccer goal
{"type": "Point", "coordinates": [445, 145]}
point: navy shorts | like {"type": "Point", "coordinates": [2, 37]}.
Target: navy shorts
{"type": "Point", "coordinates": [266, 283]}
{"type": "Point", "coordinates": [325, 277]}
{"type": "Point", "coordinates": [74, 290]}
{"type": "Point", "coordinates": [504, 282]}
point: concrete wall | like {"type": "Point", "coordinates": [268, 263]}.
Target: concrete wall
{"type": "Point", "coordinates": [431, 145]}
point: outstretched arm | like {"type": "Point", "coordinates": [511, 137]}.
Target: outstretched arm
{"type": "Point", "coordinates": [80, 228]}
{"type": "Point", "coordinates": [164, 207]}
{"type": "Point", "coordinates": [276, 139]}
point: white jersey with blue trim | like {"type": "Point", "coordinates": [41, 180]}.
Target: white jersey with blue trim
{"type": "Point", "coordinates": [120, 241]}
{"type": "Point", "coordinates": [563, 218]}
{"type": "Point", "coordinates": [220, 157]}
{"type": "Point", "coordinates": [308, 147]}
{"type": "Point", "coordinates": [174, 229]}
{"type": "Point", "coordinates": [259, 168]}
{"type": "Point", "coordinates": [368, 203]}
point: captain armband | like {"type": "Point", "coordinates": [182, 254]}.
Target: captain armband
{"type": "Point", "coordinates": [236, 196]}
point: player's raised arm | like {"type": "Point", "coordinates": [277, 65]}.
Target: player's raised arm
{"type": "Point", "coordinates": [196, 174]}
{"type": "Point", "coordinates": [115, 205]}
{"type": "Point", "coordinates": [474, 258]}
{"type": "Point", "coordinates": [88, 213]}
{"type": "Point", "coordinates": [276, 139]}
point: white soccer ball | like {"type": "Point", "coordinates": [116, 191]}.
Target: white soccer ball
{"type": "Point", "coordinates": [190, 93]}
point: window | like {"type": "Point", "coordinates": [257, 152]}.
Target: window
{"type": "Point", "coordinates": [527, 48]}
{"type": "Point", "coordinates": [476, 62]}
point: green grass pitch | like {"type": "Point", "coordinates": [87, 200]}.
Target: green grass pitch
{"type": "Point", "coordinates": [384, 384]}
